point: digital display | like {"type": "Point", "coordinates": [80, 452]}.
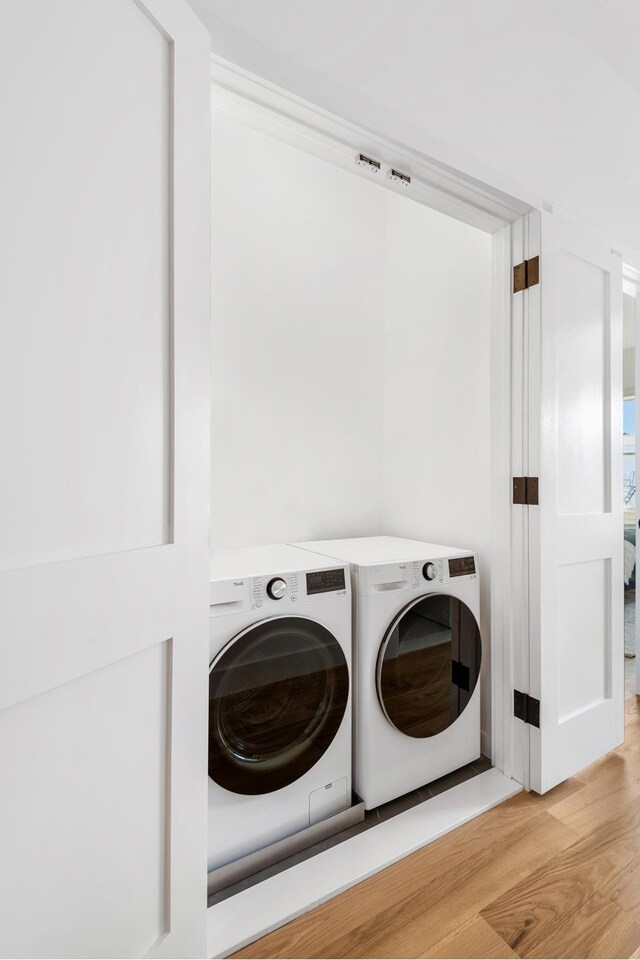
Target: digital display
{"type": "Point", "coordinates": [462, 566]}
{"type": "Point", "coordinates": [325, 581]}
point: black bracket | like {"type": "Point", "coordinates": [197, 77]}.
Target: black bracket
{"type": "Point", "coordinates": [526, 708]}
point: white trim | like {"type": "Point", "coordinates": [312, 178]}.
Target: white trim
{"type": "Point", "coordinates": [532, 389]}
{"type": "Point", "coordinates": [252, 913]}
{"type": "Point", "coordinates": [517, 677]}
{"type": "Point", "coordinates": [246, 98]}
{"type": "Point", "coordinates": [500, 505]}
{"type": "Point", "coordinates": [631, 286]}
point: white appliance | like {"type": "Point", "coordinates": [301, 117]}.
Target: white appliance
{"type": "Point", "coordinates": [280, 747]}
{"type": "Point", "coordinates": [417, 656]}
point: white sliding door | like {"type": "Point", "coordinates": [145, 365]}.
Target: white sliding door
{"type": "Point", "coordinates": [104, 340]}
{"type": "Point", "coordinates": [573, 425]}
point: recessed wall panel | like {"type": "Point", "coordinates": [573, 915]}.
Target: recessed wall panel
{"type": "Point", "coordinates": [85, 295]}
{"type": "Point", "coordinates": [583, 387]}
{"type": "Point", "coordinates": [584, 636]}
{"type": "Point", "coordinates": [85, 766]}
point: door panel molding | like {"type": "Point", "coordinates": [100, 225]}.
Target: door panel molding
{"type": "Point", "coordinates": [581, 710]}
{"type": "Point", "coordinates": [104, 639]}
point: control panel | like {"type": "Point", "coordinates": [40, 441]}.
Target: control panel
{"type": "Point", "coordinates": [429, 570]}
{"type": "Point", "coordinates": [417, 576]}
{"type": "Point", "coordinates": [326, 581]}
{"type": "Point", "coordinates": [277, 592]}
{"type": "Point", "coordinates": [277, 588]}
{"type": "Point", "coordinates": [462, 566]}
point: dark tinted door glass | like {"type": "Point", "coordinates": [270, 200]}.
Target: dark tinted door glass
{"type": "Point", "coordinates": [429, 665]}
{"type": "Point", "coordinates": [277, 695]}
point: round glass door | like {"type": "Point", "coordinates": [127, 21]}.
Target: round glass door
{"type": "Point", "coordinates": [277, 696]}
{"type": "Point", "coordinates": [429, 664]}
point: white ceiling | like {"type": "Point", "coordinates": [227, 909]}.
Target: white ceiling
{"type": "Point", "coordinates": [541, 99]}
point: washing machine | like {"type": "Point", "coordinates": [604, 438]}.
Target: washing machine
{"type": "Point", "coordinates": [417, 657]}
{"type": "Point", "coordinates": [280, 745]}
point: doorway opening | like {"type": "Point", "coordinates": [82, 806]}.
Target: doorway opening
{"type": "Point", "coordinates": [355, 318]}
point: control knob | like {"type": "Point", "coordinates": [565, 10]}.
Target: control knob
{"type": "Point", "coordinates": [429, 571]}
{"type": "Point", "coordinates": [276, 588]}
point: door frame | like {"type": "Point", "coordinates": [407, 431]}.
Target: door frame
{"type": "Point", "coordinates": [631, 285]}
{"type": "Point", "coordinates": [245, 98]}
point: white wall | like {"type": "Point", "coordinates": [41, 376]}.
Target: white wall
{"type": "Point", "coordinates": [296, 345]}
{"type": "Point", "coordinates": [351, 359]}
{"type": "Point", "coordinates": [436, 437]}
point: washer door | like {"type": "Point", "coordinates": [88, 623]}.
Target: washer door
{"type": "Point", "coordinates": [277, 696]}
{"type": "Point", "coordinates": [428, 665]}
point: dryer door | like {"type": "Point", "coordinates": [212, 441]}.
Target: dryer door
{"type": "Point", "coordinates": [428, 665]}
{"type": "Point", "coordinates": [277, 695]}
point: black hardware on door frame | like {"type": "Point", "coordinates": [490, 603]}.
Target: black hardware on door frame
{"type": "Point", "coordinates": [526, 708]}
{"type": "Point", "coordinates": [526, 274]}
{"type": "Point", "coordinates": [526, 490]}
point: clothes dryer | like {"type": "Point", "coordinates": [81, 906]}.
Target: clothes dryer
{"type": "Point", "coordinates": [417, 658]}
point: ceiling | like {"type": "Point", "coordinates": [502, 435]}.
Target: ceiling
{"type": "Point", "coordinates": [541, 100]}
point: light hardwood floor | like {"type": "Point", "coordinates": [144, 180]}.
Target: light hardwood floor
{"type": "Point", "coordinates": [552, 876]}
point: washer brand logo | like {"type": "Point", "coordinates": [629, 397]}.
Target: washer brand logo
{"type": "Point", "coordinates": [238, 583]}
{"type": "Point", "coordinates": [402, 566]}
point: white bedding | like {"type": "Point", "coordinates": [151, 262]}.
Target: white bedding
{"type": "Point", "coordinates": [629, 560]}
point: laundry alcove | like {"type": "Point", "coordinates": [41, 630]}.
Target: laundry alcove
{"type": "Point", "coordinates": [385, 359]}
{"type": "Point", "coordinates": [350, 359]}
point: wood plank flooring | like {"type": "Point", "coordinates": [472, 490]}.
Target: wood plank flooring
{"type": "Point", "coordinates": [552, 876]}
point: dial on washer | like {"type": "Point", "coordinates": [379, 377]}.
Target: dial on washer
{"type": "Point", "coordinates": [277, 588]}
{"type": "Point", "coordinates": [429, 571]}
